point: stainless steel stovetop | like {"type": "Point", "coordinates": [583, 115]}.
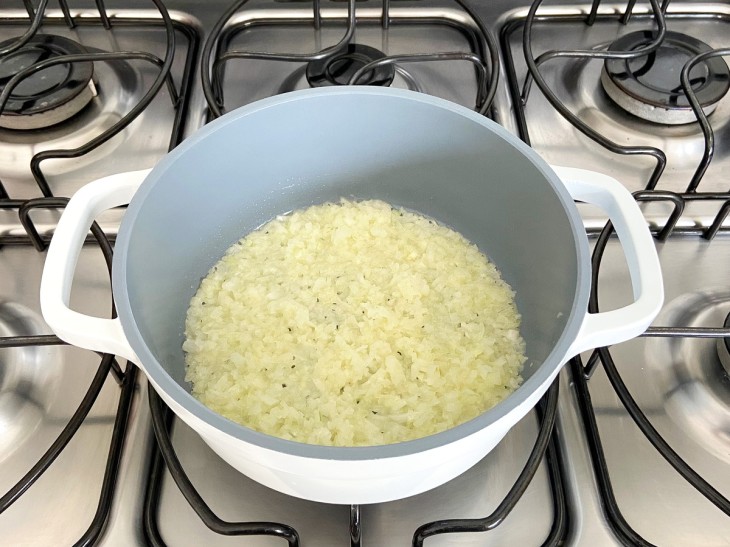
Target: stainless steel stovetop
{"type": "Point", "coordinates": [602, 481]}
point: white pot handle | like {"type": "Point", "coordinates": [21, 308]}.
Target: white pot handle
{"type": "Point", "coordinates": [94, 333]}
{"type": "Point", "coordinates": [611, 327]}
{"type": "Point", "coordinates": [106, 335]}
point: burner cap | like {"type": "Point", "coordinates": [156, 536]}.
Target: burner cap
{"type": "Point", "coordinates": [338, 69]}
{"type": "Point", "coordinates": [650, 87]}
{"type": "Point", "coordinates": [50, 96]}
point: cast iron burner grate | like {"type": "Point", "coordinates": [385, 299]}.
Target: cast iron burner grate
{"type": "Point", "coordinates": [649, 86]}
{"type": "Point", "coordinates": [48, 76]}
{"type": "Point", "coordinates": [392, 58]}
{"type": "Point", "coordinates": [50, 96]}
{"type": "Point", "coordinates": [688, 88]}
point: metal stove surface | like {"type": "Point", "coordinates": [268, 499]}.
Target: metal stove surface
{"type": "Point", "coordinates": [684, 393]}
{"type": "Point", "coordinates": [682, 388]}
{"type": "Point", "coordinates": [577, 84]}
{"type": "Point", "coordinates": [41, 389]}
{"type": "Point", "coordinates": [120, 85]}
{"type": "Point", "coordinates": [678, 382]}
{"type": "Point", "coordinates": [43, 386]}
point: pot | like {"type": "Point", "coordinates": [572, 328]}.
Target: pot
{"type": "Point", "coordinates": [306, 147]}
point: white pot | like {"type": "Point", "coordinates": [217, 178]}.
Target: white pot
{"type": "Point", "coordinates": [307, 147]}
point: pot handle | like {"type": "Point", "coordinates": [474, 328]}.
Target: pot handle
{"type": "Point", "coordinates": [611, 327]}
{"type": "Point", "coordinates": [93, 333]}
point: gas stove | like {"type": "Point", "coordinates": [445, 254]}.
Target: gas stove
{"type": "Point", "coordinates": [632, 443]}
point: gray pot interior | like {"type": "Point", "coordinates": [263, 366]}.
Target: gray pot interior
{"type": "Point", "coordinates": [310, 147]}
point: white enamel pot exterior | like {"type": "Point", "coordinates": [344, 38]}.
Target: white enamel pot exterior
{"type": "Point", "coordinates": [312, 146]}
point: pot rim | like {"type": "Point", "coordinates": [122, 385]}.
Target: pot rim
{"type": "Point", "coordinates": [538, 382]}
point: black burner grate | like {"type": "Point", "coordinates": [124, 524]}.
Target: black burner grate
{"type": "Point", "coordinates": [125, 378]}
{"type": "Point", "coordinates": [546, 448]}
{"type": "Point", "coordinates": [520, 96]}
{"type": "Point", "coordinates": [70, 61]}
{"type": "Point", "coordinates": [349, 63]}
{"type": "Point", "coordinates": [76, 64]}
{"type": "Point", "coordinates": [649, 87]}
{"type": "Point", "coordinates": [602, 356]}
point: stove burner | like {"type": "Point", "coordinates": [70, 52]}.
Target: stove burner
{"type": "Point", "coordinates": [50, 96]}
{"type": "Point", "coordinates": [338, 69]}
{"type": "Point", "coordinates": [649, 86]}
